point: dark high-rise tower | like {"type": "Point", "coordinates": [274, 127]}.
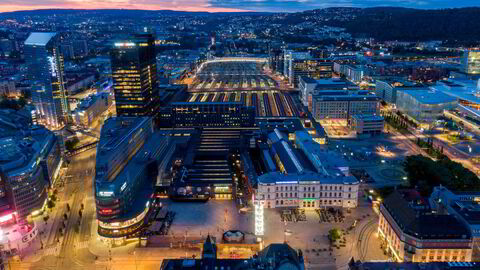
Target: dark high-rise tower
{"type": "Point", "coordinates": [134, 72]}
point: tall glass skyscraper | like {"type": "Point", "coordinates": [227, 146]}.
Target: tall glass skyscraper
{"type": "Point", "coordinates": [45, 71]}
{"type": "Point", "coordinates": [134, 73]}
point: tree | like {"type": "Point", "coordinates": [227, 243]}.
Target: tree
{"type": "Point", "coordinates": [70, 144]}
{"type": "Point", "coordinates": [334, 234]}
{"type": "Point", "coordinates": [425, 173]}
{"type": "Point", "coordinates": [50, 204]}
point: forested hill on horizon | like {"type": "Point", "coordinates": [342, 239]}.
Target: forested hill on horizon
{"type": "Point", "coordinates": [381, 23]}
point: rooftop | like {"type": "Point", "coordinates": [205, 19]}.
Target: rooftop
{"type": "Point", "coordinates": [115, 131]}
{"type": "Point", "coordinates": [468, 90]}
{"type": "Point", "coordinates": [469, 210]}
{"type": "Point", "coordinates": [428, 96]}
{"type": "Point", "coordinates": [287, 156]}
{"type": "Point", "coordinates": [351, 97]}
{"type": "Point", "coordinates": [90, 100]}
{"type": "Point", "coordinates": [20, 152]}
{"type": "Point", "coordinates": [368, 117]}
{"type": "Point", "coordinates": [39, 38]}
{"type": "Point", "coordinates": [274, 257]}
{"type": "Point", "coordinates": [306, 177]}
{"type": "Point", "coordinates": [415, 266]}
{"type": "Point", "coordinates": [325, 161]}
{"type": "Point", "coordinates": [423, 224]}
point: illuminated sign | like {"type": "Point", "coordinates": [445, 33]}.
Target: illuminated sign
{"type": "Point", "coordinates": [123, 186]}
{"type": "Point", "coordinates": [259, 223]}
{"type": "Point", "coordinates": [53, 67]}
{"type": "Point", "coordinates": [106, 193]}
{"type": "Point", "coordinates": [6, 218]}
{"type": "Point", "coordinates": [106, 211]}
{"type": "Point", "coordinates": [124, 44]}
{"type": "Point", "coordinates": [286, 182]}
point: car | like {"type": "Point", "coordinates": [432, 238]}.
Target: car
{"type": "Point", "coordinates": [157, 202]}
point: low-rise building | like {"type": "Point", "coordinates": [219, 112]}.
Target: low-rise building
{"type": "Point", "coordinates": [76, 83]}
{"type": "Point", "coordinates": [414, 234]}
{"type": "Point", "coordinates": [91, 108]}
{"type": "Point", "coordinates": [367, 124]}
{"type": "Point", "coordinates": [30, 162]}
{"type": "Point", "coordinates": [309, 87]}
{"type": "Point", "coordinates": [7, 88]}
{"type": "Point", "coordinates": [387, 89]}
{"type": "Point", "coordinates": [424, 106]}
{"type": "Point", "coordinates": [272, 257]}
{"type": "Point", "coordinates": [343, 107]}
{"type": "Point", "coordinates": [463, 205]}
{"type": "Point", "coordinates": [297, 64]}
{"type": "Point", "coordinates": [465, 91]}
{"type": "Point", "coordinates": [308, 176]}
{"type": "Point", "coordinates": [206, 114]}
{"type": "Point", "coordinates": [355, 73]}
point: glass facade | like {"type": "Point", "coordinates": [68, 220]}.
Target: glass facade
{"type": "Point", "coordinates": [134, 73]}
{"type": "Point", "coordinates": [46, 72]}
{"type": "Point", "coordinates": [471, 62]}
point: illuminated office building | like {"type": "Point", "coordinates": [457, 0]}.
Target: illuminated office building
{"type": "Point", "coordinates": [45, 71]}
{"type": "Point", "coordinates": [298, 64]}
{"type": "Point", "coordinates": [128, 158]}
{"type": "Point", "coordinates": [471, 62]}
{"type": "Point", "coordinates": [134, 73]}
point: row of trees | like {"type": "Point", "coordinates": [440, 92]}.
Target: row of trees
{"type": "Point", "coordinates": [425, 173]}
{"type": "Point", "coordinates": [11, 103]}
{"type": "Point", "coordinates": [70, 144]}
{"type": "Point", "coordinates": [435, 152]}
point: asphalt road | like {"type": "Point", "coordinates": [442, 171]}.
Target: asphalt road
{"type": "Point", "coordinates": [78, 190]}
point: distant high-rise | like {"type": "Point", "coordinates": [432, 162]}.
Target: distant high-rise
{"type": "Point", "coordinates": [45, 71]}
{"type": "Point", "coordinates": [134, 73]}
{"type": "Point", "coordinates": [471, 62]}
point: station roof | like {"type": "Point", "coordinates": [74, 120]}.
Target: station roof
{"type": "Point", "coordinates": [289, 160]}
{"type": "Point", "coordinates": [325, 161]}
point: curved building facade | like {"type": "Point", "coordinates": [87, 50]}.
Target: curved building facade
{"type": "Point", "coordinates": [126, 169]}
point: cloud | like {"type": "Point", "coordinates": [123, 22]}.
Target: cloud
{"type": "Point", "coordinates": [228, 5]}
{"type": "Point", "coordinates": [300, 5]}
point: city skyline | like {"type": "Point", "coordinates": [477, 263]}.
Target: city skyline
{"type": "Point", "coordinates": [140, 136]}
{"type": "Point", "coordinates": [228, 5]}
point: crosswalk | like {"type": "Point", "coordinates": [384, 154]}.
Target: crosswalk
{"type": "Point", "coordinates": [80, 245]}
{"type": "Point", "coordinates": [54, 251]}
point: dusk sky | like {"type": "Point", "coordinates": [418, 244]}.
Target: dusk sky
{"type": "Point", "coordinates": [227, 5]}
